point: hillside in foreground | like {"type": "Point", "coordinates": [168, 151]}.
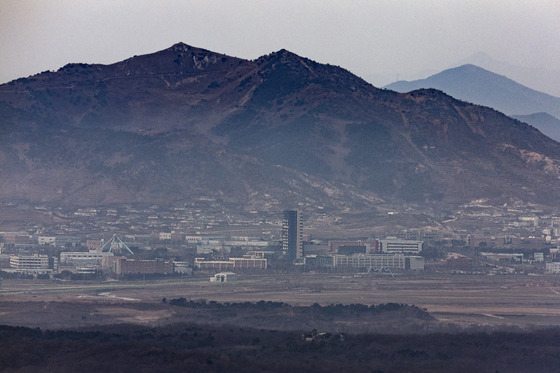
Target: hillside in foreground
{"type": "Point", "coordinates": [213, 349]}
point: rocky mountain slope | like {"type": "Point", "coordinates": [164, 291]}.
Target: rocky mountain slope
{"type": "Point", "coordinates": [282, 129]}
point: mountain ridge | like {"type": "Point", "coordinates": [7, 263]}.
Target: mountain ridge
{"type": "Point", "coordinates": [546, 123]}
{"type": "Point", "coordinates": [541, 79]}
{"type": "Point", "coordinates": [280, 130]}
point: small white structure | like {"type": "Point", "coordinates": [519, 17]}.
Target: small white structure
{"type": "Point", "coordinates": [224, 277]}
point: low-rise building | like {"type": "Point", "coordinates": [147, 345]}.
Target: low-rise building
{"type": "Point", "coordinates": [379, 261]}
{"type": "Point", "coordinates": [368, 246]}
{"type": "Point", "coordinates": [182, 267]}
{"type": "Point", "coordinates": [17, 237]}
{"type": "Point", "coordinates": [67, 241]}
{"type": "Point", "coordinates": [247, 262]}
{"type": "Point", "coordinates": [496, 257]}
{"type": "Point", "coordinates": [33, 263]}
{"type": "Point", "coordinates": [414, 263]}
{"type": "Point", "coordinates": [213, 264]}
{"type": "Point", "coordinates": [393, 246]}
{"type": "Point", "coordinates": [319, 260]}
{"type": "Point", "coordinates": [4, 261]}
{"type": "Point", "coordinates": [553, 267]}
{"type": "Point", "coordinates": [89, 258]}
{"type": "Point", "coordinates": [164, 236]}
{"type": "Point", "coordinates": [46, 240]}
{"type": "Point", "coordinates": [124, 266]}
{"type": "Point", "coordinates": [538, 257]}
{"type": "Point", "coordinates": [374, 261]}
{"type": "Point", "coordinates": [93, 245]}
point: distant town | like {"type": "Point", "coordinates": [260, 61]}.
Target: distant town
{"type": "Point", "coordinates": [127, 242]}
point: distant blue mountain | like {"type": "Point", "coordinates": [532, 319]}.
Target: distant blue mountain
{"type": "Point", "coordinates": [545, 123]}
{"type": "Point", "coordinates": [479, 86]}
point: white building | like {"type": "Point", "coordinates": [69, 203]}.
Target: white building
{"type": "Point", "coordinates": [393, 246]}
{"type": "Point", "coordinates": [90, 258]}
{"type": "Point", "coordinates": [29, 262]}
{"type": "Point", "coordinates": [224, 277]}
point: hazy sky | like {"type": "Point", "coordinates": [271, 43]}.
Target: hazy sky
{"type": "Point", "coordinates": [385, 37]}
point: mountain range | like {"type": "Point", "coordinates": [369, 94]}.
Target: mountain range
{"type": "Point", "coordinates": [544, 122]}
{"type": "Point", "coordinates": [280, 130]}
{"type": "Point", "coordinates": [477, 85]}
{"type": "Point", "coordinates": [545, 80]}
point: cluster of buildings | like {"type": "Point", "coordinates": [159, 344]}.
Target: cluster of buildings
{"type": "Point", "coordinates": [371, 254]}
{"type": "Point", "coordinates": [208, 253]}
{"type": "Point", "coordinates": [87, 263]}
{"type": "Point", "coordinates": [98, 257]}
{"type": "Point", "coordinates": [187, 251]}
{"type": "Point", "coordinates": [194, 249]}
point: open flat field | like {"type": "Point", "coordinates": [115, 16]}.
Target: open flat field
{"type": "Point", "coordinates": [464, 300]}
{"type": "Point", "coordinates": [475, 324]}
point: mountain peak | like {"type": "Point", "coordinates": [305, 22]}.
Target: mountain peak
{"type": "Point", "coordinates": [182, 48]}
{"type": "Point", "coordinates": [179, 45]}
{"type": "Point", "coordinates": [467, 68]}
{"type": "Point", "coordinates": [283, 55]}
{"type": "Point", "coordinates": [479, 58]}
{"type": "Point", "coordinates": [472, 70]}
{"type": "Point", "coordinates": [285, 52]}
{"type": "Point", "coordinates": [470, 66]}
{"type": "Point", "coordinates": [180, 58]}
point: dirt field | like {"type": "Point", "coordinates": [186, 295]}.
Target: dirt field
{"type": "Point", "coordinates": [464, 300]}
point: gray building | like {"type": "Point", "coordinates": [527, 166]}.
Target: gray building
{"type": "Point", "coordinates": [292, 234]}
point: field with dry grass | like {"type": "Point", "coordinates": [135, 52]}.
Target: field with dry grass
{"type": "Point", "coordinates": [262, 322]}
{"type": "Point", "coordinates": [462, 300]}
